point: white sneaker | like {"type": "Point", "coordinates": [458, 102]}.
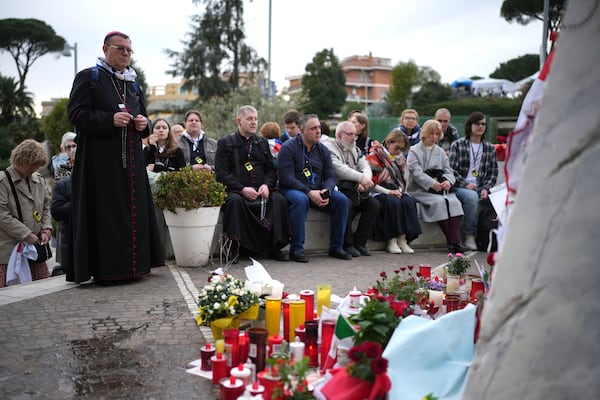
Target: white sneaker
{"type": "Point", "coordinates": [470, 242]}
{"type": "Point", "coordinates": [403, 244]}
{"type": "Point", "coordinates": [392, 247]}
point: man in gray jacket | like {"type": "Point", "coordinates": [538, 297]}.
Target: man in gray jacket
{"type": "Point", "coordinates": [353, 177]}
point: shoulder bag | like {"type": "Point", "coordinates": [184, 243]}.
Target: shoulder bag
{"type": "Point", "coordinates": [44, 252]}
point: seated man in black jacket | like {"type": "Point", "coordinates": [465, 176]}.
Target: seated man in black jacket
{"type": "Point", "coordinates": [254, 215]}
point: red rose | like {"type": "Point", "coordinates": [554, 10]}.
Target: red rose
{"type": "Point", "coordinates": [379, 365]}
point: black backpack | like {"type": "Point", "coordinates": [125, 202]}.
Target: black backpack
{"type": "Point", "coordinates": [487, 220]}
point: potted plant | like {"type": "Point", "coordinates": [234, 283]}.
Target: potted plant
{"type": "Point", "coordinates": [191, 200]}
{"type": "Point", "coordinates": [224, 301]}
{"type": "Point", "coordinates": [457, 265]}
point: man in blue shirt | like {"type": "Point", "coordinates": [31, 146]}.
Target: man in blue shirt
{"type": "Point", "coordinates": [307, 179]}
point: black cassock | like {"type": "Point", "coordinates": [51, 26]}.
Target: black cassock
{"type": "Point", "coordinates": [114, 230]}
{"type": "Point", "coordinates": [251, 166]}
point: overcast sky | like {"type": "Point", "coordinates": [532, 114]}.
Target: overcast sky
{"type": "Point", "coordinates": [456, 38]}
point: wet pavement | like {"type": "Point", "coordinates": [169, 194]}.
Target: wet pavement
{"type": "Point", "coordinates": [134, 340]}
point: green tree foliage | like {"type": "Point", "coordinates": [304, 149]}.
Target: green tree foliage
{"type": "Point", "coordinates": [26, 40]}
{"type": "Point", "coordinates": [525, 11]}
{"type": "Point", "coordinates": [324, 84]}
{"type": "Point", "coordinates": [56, 124]}
{"type": "Point", "coordinates": [491, 106]}
{"type": "Point", "coordinates": [404, 78]}
{"type": "Point", "coordinates": [16, 104]}
{"type": "Point", "coordinates": [517, 68]}
{"type": "Point", "coordinates": [431, 92]}
{"type": "Point", "coordinates": [215, 56]}
{"type": "Point", "coordinates": [408, 78]}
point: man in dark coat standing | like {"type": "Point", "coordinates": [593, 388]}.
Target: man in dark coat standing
{"type": "Point", "coordinates": [254, 214]}
{"type": "Point", "coordinates": [114, 230]}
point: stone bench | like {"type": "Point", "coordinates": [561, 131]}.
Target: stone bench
{"type": "Point", "coordinates": [317, 234]}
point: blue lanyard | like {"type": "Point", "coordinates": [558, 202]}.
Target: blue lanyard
{"type": "Point", "coordinates": [310, 179]}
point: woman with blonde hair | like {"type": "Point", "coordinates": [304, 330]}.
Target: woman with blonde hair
{"type": "Point", "coordinates": [430, 181]}
{"type": "Point", "coordinates": [34, 225]}
{"type": "Point", "coordinates": [409, 124]}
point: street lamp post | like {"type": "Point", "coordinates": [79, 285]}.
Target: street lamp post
{"type": "Point", "coordinates": [67, 53]}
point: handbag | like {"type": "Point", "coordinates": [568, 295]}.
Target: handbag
{"type": "Point", "coordinates": [350, 189]}
{"type": "Point", "coordinates": [44, 252]}
{"type": "Point", "coordinates": [438, 175]}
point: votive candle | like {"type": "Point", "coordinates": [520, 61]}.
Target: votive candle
{"type": "Point", "coordinates": [273, 315]}
{"type": "Point", "coordinates": [309, 308]}
{"type": "Point", "coordinates": [296, 316]}
{"type": "Point", "coordinates": [323, 297]}
{"type": "Point", "coordinates": [285, 305]}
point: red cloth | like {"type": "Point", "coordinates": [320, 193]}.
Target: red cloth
{"type": "Point", "coordinates": [344, 387]}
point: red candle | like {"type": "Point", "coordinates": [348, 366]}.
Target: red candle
{"type": "Point", "coordinates": [309, 303]}
{"type": "Point", "coordinates": [231, 337]}
{"type": "Point", "coordinates": [425, 271]}
{"type": "Point", "coordinates": [286, 319]}
{"type": "Point", "coordinates": [275, 344]}
{"type": "Point", "coordinates": [476, 287]}
{"type": "Point", "coordinates": [255, 389]}
{"type": "Point", "coordinates": [231, 388]}
{"type": "Point", "coordinates": [243, 347]}
{"type": "Point", "coordinates": [452, 302]}
{"type": "Point", "coordinates": [206, 353]}
{"type": "Point", "coordinates": [219, 368]}
{"type": "Point", "coordinates": [271, 384]}
{"type": "Point", "coordinates": [300, 332]}
{"type": "Point", "coordinates": [327, 329]}
{"type": "Point", "coordinates": [312, 347]}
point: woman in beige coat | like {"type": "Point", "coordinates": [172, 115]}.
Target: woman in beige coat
{"type": "Point", "coordinates": [34, 197]}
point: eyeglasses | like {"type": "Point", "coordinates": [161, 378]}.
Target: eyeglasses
{"type": "Point", "coordinates": [70, 146]}
{"type": "Point", "coordinates": [121, 49]}
{"type": "Point", "coordinates": [480, 123]}
{"type": "Point", "coordinates": [348, 133]}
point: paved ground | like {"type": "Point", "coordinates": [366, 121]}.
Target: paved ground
{"type": "Point", "coordinates": [133, 340]}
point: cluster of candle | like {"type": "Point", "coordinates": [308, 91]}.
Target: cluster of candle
{"type": "Point", "coordinates": [238, 360]}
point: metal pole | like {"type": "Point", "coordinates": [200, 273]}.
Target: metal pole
{"type": "Point", "coordinates": [269, 66]}
{"type": "Point", "coordinates": [544, 52]}
{"type": "Point", "coordinates": [75, 55]}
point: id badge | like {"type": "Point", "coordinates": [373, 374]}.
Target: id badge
{"type": "Point", "coordinates": [248, 165]}
{"type": "Point", "coordinates": [306, 172]}
{"type": "Point", "coordinates": [199, 160]}
{"type": "Point", "coordinates": [123, 107]}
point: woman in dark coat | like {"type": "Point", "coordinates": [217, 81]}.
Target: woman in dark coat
{"type": "Point", "coordinates": [115, 235]}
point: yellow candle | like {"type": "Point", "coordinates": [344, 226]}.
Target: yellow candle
{"type": "Point", "coordinates": [273, 315]}
{"type": "Point", "coordinates": [220, 346]}
{"type": "Point", "coordinates": [297, 315]}
{"type": "Point", "coordinates": [323, 297]}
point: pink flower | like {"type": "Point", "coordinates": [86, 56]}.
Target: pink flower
{"type": "Point", "coordinates": [459, 254]}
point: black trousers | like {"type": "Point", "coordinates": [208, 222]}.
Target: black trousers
{"type": "Point", "coordinates": [368, 209]}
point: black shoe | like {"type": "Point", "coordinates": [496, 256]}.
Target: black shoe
{"type": "Point", "coordinates": [57, 270]}
{"type": "Point", "coordinates": [340, 253]}
{"type": "Point", "coordinates": [352, 251]}
{"type": "Point", "coordinates": [279, 255]}
{"type": "Point", "coordinates": [363, 250]}
{"type": "Point", "coordinates": [457, 248]}
{"type": "Point", "coordinates": [298, 256]}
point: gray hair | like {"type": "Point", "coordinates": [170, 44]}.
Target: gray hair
{"type": "Point", "coordinates": [66, 137]}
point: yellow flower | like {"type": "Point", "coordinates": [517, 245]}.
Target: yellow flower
{"type": "Point", "coordinates": [232, 301]}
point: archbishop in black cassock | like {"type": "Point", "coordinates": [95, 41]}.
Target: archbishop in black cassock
{"type": "Point", "coordinates": [115, 235]}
